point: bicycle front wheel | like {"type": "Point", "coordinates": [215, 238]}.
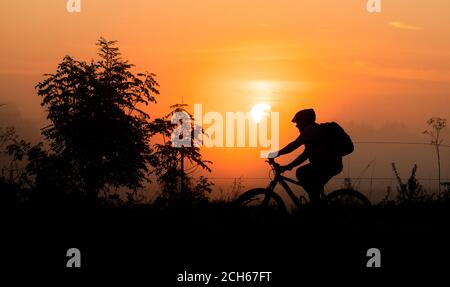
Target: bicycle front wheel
{"type": "Point", "coordinates": [262, 200]}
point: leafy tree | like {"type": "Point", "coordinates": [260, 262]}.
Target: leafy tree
{"type": "Point", "coordinates": [13, 177]}
{"type": "Point", "coordinates": [176, 164]}
{"type": "Point", "coordinates": [98, 133]}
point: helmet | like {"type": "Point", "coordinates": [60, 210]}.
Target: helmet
{"type": "Point", "coordinates": [307, 116]}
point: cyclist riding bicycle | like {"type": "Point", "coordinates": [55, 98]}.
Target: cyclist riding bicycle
{"type": "Point", "coordinates": [325, 160]}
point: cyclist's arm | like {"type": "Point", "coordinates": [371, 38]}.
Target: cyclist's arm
{"type": "Point", "coordinates": [290, 147]}
{"type": "Point", "coordinates": [298, 161]}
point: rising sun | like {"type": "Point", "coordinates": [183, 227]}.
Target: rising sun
{"type": "Point", "coordinates": [259, 111]}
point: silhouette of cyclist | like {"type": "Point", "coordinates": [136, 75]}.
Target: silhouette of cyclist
{"type": "Point", "coordinates": [324, 161]}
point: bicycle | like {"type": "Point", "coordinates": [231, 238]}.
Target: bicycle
{"type": "Point", "coordinates": [268, 199]}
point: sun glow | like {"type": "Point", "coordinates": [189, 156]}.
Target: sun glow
{"type": "Point", "coordinates": [259, 111]}
{"type": "Point", "coordinates": [262, 88]}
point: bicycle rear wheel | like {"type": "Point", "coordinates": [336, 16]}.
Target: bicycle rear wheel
{"type": "Point", "coordinates": [256, 199]}
{"type": "Point", "coordinates": [347, 198]}
{"type": "Point", "coordinates": [349, 210]}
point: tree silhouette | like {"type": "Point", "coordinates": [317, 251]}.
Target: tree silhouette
{"type": "Point", "coordinates": [98, 134]}
{"type": "Point", "coordinates": [173, 175]}
{"type": "Point", "coordinates": [13, 176]}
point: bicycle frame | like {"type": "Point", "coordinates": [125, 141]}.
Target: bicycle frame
{"type": "Point", "coordinates": [280, 179]}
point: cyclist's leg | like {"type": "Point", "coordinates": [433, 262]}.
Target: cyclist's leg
{"type": "Point", "coordinates": [324, 174]}
{"type": "Point", "coordinates": [313, 177]}
{"type": "Point", "coordinates": [304, 174]}
{"type": "Point", "coordinates": [309, 179]}
{"type": "Point", "coordinates": [327, 172]}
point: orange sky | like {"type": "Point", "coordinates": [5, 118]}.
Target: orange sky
{"type": "Point", "coordinates": [332, 55]}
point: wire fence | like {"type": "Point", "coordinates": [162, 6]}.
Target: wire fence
{"type": "Point", "coordinates": [374, 186]}
{"type": "Point", "coordinates": [351, 177]}
{"type": "Point", "coordinates": [400, 143]}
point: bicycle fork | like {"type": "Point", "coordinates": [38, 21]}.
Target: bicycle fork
{"type": "Point", "coordinates": [269, 190]}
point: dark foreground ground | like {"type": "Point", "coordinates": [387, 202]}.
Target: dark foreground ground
{"type": "Point", "coordinates": [155, 245]}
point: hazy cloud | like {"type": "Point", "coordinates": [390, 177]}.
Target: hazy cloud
{"type": "Point", "coordinates": [401, 72]}
{"type": "Point", "coordinates": [404, 26]}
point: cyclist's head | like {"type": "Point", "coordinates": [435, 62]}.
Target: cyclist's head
{"type": "Point", "coordinates": [304, 118]}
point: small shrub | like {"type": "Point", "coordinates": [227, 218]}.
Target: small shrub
{"type": "Point", "coordinates": [411, 191]}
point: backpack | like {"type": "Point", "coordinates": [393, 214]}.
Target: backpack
{"type": "Point", "coordinates": [338, 138]}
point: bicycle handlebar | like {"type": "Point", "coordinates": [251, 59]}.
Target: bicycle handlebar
{"type": "Point", "coordinates": [274, 165]}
